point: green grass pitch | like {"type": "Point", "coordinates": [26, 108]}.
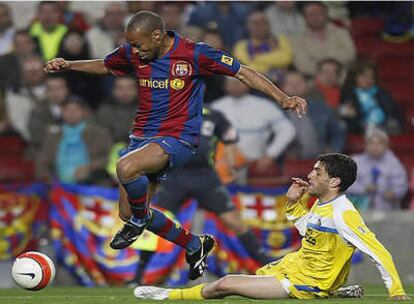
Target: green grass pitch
{"type": "Point", "coordinates": [79, 295]}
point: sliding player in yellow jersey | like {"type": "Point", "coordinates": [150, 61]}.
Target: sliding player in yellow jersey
{"type": "Point", "coordinates": [332, 229]}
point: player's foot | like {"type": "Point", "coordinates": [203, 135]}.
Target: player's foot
{"type": "Point", "coordinates": [352, 291]}
{"type": "Point", "coordinates": [197, 260]}
{"type": "Point", "coordinates": [127, 235]}
{"type": "Point", "coordinates": [151, 293]}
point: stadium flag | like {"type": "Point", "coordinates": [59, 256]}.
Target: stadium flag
{"type": "Point", "coordinates": [83, 220]}
{"type": "Point", "coordinates": [23, 217]}
{"type": "Point", "coordinates": [263, 210]}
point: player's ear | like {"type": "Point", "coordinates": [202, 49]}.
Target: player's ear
{"type": "Point", "coordinates": [335, 182]}
{"type": "Point", "coordinates": [156, 35]}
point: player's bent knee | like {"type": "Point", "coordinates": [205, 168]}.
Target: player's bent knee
{"type": "Point", "coordinates": [125, 169]}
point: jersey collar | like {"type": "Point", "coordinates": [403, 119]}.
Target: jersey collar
{"type": "Point", "coordinates": [175, 44]}
{"type": "Point", "coordinates": [330, 201]}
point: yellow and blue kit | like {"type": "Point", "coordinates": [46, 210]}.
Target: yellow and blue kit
{"type": "Point", "coordinates": [331, 232]}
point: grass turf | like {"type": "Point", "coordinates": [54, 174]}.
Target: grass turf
{"type": "Point", "coordinates": [79, 295]}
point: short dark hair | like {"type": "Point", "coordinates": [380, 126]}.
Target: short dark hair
{"type": "Point", "coordinates": [304, 5]}
{"type": "Point", "coordinates": [147, 21]}
{"type": "Point", "coordinates": [340, 165]}
{"type": "Point", "coordinates": [74, 99]}
{"type": "Point", "coordinates": [330, 61]}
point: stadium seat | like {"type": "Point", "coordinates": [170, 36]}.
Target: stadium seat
{"type": "Point", "coordinates": [16, 170]}
{"type": "Point", "coordinates": [394, 68]}
{"type": "Point", "coordinates": [355, 144]}
{"type": "Point", "coordinates": [402, 143]}
{"type": "Point", "coordinates": [402, 91]}
{"type": "Point", "coordinates": [11, 145]}
{"type": "Point", "coordinates": [297, 168]}
{"type": "Point", "coordinates": [361, 27]}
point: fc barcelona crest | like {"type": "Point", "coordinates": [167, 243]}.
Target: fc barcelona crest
{"type": "Point", "coordinates": [181, 69]}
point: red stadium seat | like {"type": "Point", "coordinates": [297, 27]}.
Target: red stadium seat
{"type": "Point", "coordinates": [401, 91]}
{"type": "Point", "coordinates": [16, 170]}
{"type": "Point", "coordinates": [298, 168]}
{"type": "Point", "coordinates": [366, 27]}
{"type": "Point", "coordinates": [402, 143]}
{"type": "Point", "coordinates": [394, 68]}
{"type": "Point", "coordinates": [355, 144]}
{"type": "Point", "coordinates": [11, 145]}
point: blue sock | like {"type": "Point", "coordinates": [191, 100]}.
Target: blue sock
{"type": "Point", "coordinates": [137, 198]}
{"type": "Point", "coordinates": [172, 231]}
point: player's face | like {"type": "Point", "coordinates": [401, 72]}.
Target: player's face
{"type": "Point", "coordinates": [146, 45]}
{"type": "Point", "coordinates": [318, 180]}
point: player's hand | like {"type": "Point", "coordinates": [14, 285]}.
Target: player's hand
{"type": "Point", "coordinates": [56, 65]}
{"type": "Point", "coordinates": [296, 103]}
{"type": "Point", "coordinates": [399, 298]}
{"type": "Point", "coordinates": [296, 190]}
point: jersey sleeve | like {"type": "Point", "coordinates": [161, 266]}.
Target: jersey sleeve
{"type": "Point", "coordinates": [352, 229]}
{"type": "Point", "coordinates": [212, 61]}
{"type": "Point", "coordinates": [118, 62]}
{"type": "Point", "coordinates": [224, 130]}
{"type": "Point", "coordinates": [298, 215]}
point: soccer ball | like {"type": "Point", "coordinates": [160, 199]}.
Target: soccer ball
{"type": "Point", "coordinates": [33, 270]}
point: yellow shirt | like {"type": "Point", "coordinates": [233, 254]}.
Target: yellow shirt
{"type": "Point", "coordinates": [332, 231]}
{"type": "Point", "coordinates": [276, 58]}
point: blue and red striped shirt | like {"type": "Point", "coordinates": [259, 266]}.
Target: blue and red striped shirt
{"type": "Point", "coordinates": [171, 88]}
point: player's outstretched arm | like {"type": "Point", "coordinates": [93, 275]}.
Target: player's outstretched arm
{"type": "Point", "coordinates": [95, 66]}
{"type": "Point", "coordinates": [259, 82]}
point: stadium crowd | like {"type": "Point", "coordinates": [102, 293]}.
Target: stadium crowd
{"type": "Point", "coordinates": [349, 60]}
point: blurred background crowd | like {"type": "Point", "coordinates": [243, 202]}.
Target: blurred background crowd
{"type": "Point", "coordinates": [352, 61]}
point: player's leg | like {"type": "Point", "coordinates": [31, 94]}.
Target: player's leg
{"type": "Point", "coordinates": [250, 286]}
{"type": "Point", "coordinates": [131, 170]}
{"type": "Point", "coordinates": [124, 211]}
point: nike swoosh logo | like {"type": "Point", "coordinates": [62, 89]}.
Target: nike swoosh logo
{"type": "Point", "coordinates": [141, 66]}
{"type": "Point", "coordinates": [202, 257]}
{"type": "Point", "coordinates": [31, 274]}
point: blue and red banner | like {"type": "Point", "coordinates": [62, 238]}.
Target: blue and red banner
{"type": "Point", "coordinates": [23, 218]}
{"type": "Point", "coordinates": [83, 221]}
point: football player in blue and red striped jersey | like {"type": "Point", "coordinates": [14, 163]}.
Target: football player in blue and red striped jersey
{"type": "Point", "coordinates": [170, 72]}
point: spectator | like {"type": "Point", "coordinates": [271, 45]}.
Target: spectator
{"type": "Point", "coordinates": [214, 83]}
{"type": "Point", "coordinates": [49, 112]}
{"type": "Point", "coordinates": [108, 32]}
{"type": "Point", "coordinates": [173, 14]}
{"type": "Point", "coordinates": [328, 82]}
{"type": "Point", "coordinates": [319, 131]}
{"type": "Point", "coordinates": [7, 30]}
{"type": "Point", "coordinates": [225, 16]}
{"type": "Point", "coordinates": [118, 113]}
{"type": "Point", "coordinates": [364, 104]}
{"type": "Point", "coordinates": [24, 97]}
{"type": "Point", "coordinates": [8, 72]}
{"type": "Point", "coordinates": [381, 180]}
{"type": "Point", "coordinates": [265, 132]}
{"type": "Point", "coordinates": [74, 20]}
{"type": "Point", "coordinates": [6, 129]}
{"type": "Point", "coordinates": [320, 40]}
{"type": "Point", "coordinates": [24, 45]}
{"type": "Point", "coordinates": [266, 53]}
{"type": "Point", "coordinates": [284, 18]}
{"type": "Point", "coordinates": [76, 151]}
{"type": "Point", "coordinates": [75, 47]}
{"type": "Point", "coordinates": [48, 30]}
